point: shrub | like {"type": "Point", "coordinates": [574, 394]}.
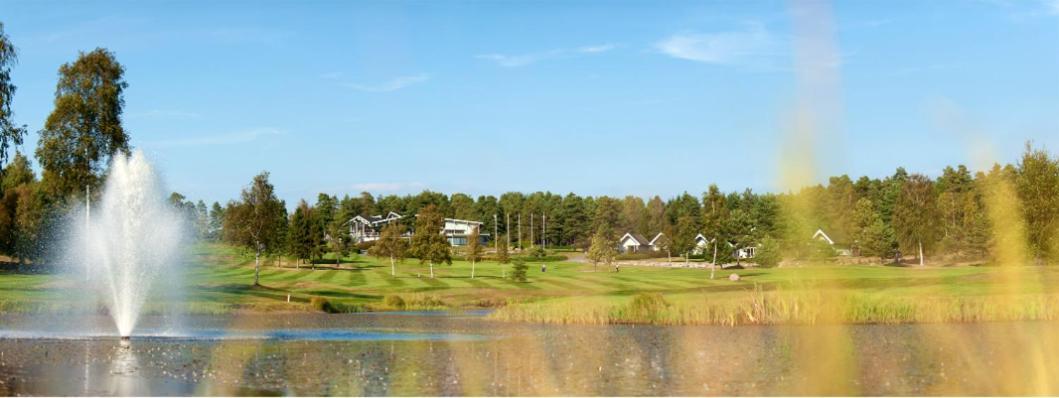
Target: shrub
{"type": "Point", "coordinates": [325, 305]}
{"type": "Point", "coordinates": [490, 302]}
{"type": "Point", "coordinates": [394, 301]}
{"type": "Point", "coordinates": [424, 302]}
{"type": "Point", "coordinates": [321, 304]}
{"type": "Point", "coordinates": [537, 252]}
{"type": "Point", "coordinates": [644, 307]}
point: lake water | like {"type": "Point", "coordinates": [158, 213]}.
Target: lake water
{"type": "Point", "coordinates": [465, 354]}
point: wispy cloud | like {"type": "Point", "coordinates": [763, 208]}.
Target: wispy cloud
{"type": "Point", "coordinates": [387, 186]}
{"type": "Point", "coordinates": [394, 84]}
{"type": "Point", "coordinates": [516, 60]}
{"type": "Point", "coordinates": [1023, 10]}
{"type": "Point", "coordinates": [597, 49]}
{"type": "Point", "coordinates": [237, 137]}
{"type": "Point", "coordinates": [720, 48]}
{"type": "Point", "coordinates": [1052, 6]}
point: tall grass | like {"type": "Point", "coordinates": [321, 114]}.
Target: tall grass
{"type": "Point", "coordinates": [779, 307]}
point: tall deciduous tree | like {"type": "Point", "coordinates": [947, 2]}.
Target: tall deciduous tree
{"type": "Point", "coordinates": [254, 222]}
{"type": "Point", "coordinates": [633, 216]}
{"type": "Point", "coordinates": [654, 215]}
{"type": "Point", "coordinates": [715, 218]}
{"type": "Point", "coordinates": [84, 130]}
{"type": "Point", "coordinates": [915, 215]}
{"type": "Point", "coordinates": [391, 244]}
{"type": "Point", "coordinates": [10, 133]}
{"type": "Point", "coordinates": [474, 248]}
{"type": "Point", "coordinates": [602, 249]}
{"type": "Point", "coordinates": [428, 244]}
{"type": "Point", "coordinates": [1037, 183]}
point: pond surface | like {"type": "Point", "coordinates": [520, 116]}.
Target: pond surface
{"type": "Point", "coordinates": [465, 354]}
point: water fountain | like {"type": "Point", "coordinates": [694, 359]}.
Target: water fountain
{"type": "Point", "coordinates": [133, 236]}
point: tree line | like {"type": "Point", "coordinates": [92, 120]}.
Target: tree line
{"type": "Point", "coordinates": [901, 215]}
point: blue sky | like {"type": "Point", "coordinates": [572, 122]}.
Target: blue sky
{"type": "Point", "coordinates": [616, 97]}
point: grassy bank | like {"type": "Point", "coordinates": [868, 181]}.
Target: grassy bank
{"type": "Point", "coordinates": [217, 280]}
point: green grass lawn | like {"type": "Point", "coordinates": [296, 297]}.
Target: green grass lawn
{"type": "Point", "coordinates": [218, 279]}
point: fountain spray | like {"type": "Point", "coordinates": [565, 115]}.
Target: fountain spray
{"type": "Point", "coordinates": [133, 238]}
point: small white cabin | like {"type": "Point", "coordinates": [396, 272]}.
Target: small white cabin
{"type": "Point", "coordinates": [633, 242]}
{"type": "Point", "coordinates": [701, 243]}
{"type": "Point", "coordinates": [822, 236]}
{"type": "Point", "coordinates": [658, 242]}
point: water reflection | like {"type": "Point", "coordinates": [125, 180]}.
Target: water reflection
{"type": "Point", "coordinates": [520, 359]}
{"type": "Point", "coordinates": [123, 376]}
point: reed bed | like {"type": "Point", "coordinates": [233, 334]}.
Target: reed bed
{"type": "Point", "coordinates": [784, 307]}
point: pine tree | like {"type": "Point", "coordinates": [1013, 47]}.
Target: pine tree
{"type": "Point", "coordinates": [872, 238]}
{"type": "Point", "coordinates": [768, 252]}
{"type": "Point", "coordinates": [683, 238]}
{"type": "Point", "coordinates": [518, 271]}
{"type": "Point", "coordinates": [299, 235]}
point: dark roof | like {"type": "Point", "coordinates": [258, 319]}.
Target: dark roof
{"type": "Point", "coordinates": [638, 238]}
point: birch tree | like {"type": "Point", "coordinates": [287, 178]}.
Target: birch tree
{"type": "Point", "coordinates": [915, 215]}
{"type": "Point", "coordinates": [428, 244]}
{"type": "Point", "coordinates": [254, 222]}
{"type": "Point", "coordinates": [474, 249]}
{"type": "Point", "coordinates": [392, 245]}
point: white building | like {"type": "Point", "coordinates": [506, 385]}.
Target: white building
{"type": "Point", "coordinates": [458, 231]}
{"type": "Point", "coordinates": [658, 242]}
{"type": "Point", "coordinates": [822, 236]}
{"type": "Point", "coordinates": [633, 242]}
{"type": "Point", "coordinates": [746, 252]}
{"type": "Point", "coordinates": [367, 229]}
{"type": "Point", "coordinates": [701, 243]}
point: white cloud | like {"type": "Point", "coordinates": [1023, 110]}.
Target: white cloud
{"type": "Point", "coordinates": [516, 60]}
{"type": "Point", "coordinates": [237, 137]}
{"type": "Point", "coordinates": [721, 48]}
{"type": "Point", "coordinates": [390, 85]}
{"type": "Point", "coordinates": [511, 61]}
{"type": "Point", "coordinates": [387, 186]}
{"type": "Point", "coordinates": [597, 49]}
